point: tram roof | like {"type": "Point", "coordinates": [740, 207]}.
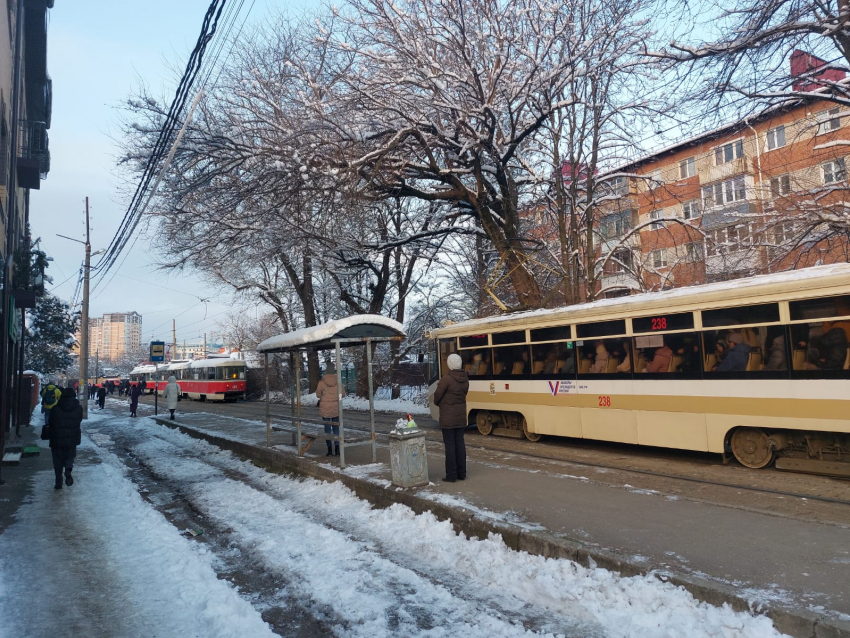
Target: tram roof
{"type": "Point", "coordinates": [789, 285]}
{"type": "Point", "coordinates": [349, 331]}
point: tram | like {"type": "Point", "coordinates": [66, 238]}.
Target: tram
{"type": "Point", "coordinates": [146, 373]}
{"type": "Point", "coordinates": [758, 367]}
{"type": "Point", "coordinates": [208, 379]}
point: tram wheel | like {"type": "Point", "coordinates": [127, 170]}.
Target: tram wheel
{"type": "Point", "coordinates": [531, 436]}
{"type": "Point", "coordinates": [750, 446]}
{"type": "Point", "coordinates": [484, 422]}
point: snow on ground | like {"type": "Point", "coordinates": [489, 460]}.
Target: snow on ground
{"type": "Point", "coordinates": [390, 572]}
{"type": "Point", "coordinates": [97, 551]}
{"type": "Point", "coordinates": [396, 406]}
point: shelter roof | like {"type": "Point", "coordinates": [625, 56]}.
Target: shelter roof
{"type": "Point", "coordinates": [349, 331]}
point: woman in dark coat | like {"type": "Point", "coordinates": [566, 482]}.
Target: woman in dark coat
{"type": "Point", "coordinates": [135, 391]}
{"type": "Point", "coordinates": [101, 396]}
{"type": "Point", "coordinates": [450, 396]}
{"type": "Point", "coordinates": [64, 435]}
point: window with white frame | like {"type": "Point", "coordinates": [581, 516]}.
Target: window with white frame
{"type": "Point", "coordinates": [619, 263]}
{"type": "Point", "coordinates": [659, 258]}
{"type": "Point", "coordinates": [828, 120]}
{"type": "Point", "coordinates": [620, 185]}
{"type": "Point", "coordinates": [781, 233]}
{"type": "Point", "coordinates": [728, 239]}
{"type": "Point", "coordinates": [780, 185]}
{"type": "Point", "coordinates": [694, 251]}
{"type": "Point", "coordinates": [616, 225]}
{"type": "Point", "coordinates": [690, 210]}
{"type": "Point", "coordinates": [732, 190]}
{"type": "Point", "coordinates": [834, 171]}
{"type": "Point", "coordinates": [729, 152]}
{"type": "Point", "coordinates": [687, 168]}
{"type": "Point", "coordinates": [654, 179]}
{"type": "Point", "coordinates": [776, 137]}
{"type": "Point", "coordinates": [656, 225]}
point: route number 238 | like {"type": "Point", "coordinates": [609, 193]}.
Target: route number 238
{"type": "Point", "coordinates": [604, 402]}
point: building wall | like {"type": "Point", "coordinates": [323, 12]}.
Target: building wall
{"type": "Point", "coordinates": [115, 334]}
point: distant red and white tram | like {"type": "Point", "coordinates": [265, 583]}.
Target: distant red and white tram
{"type": "Point", "coordinates": [204, 380]}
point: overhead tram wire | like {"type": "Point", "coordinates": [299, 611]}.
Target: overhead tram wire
{"type": "Point", "coordinates": [132, 217]}
{"type": "Point", "coordinates": [232, 16]}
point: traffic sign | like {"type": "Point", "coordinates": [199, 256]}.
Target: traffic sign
{"type": "Point", "coordinates": [157, 351]}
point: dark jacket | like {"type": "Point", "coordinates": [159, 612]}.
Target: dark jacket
{"type": "Point", "coordinates": [135, 392]}
{"type": "Point", "coordinates": [64, 423]}
{"type": "Point", "coordinates": [736, 359]}
{"type": "Point", "coordinates": [832, 349]}
{"type": "Point", "coordinates": [450, 396]}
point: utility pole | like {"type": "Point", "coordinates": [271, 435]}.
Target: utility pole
{"type": "Point", "coordinates": [84, 328]}
{"type": "Point", "coordinates": [205, 345]}
{"type": "Point", "coordinates": [174, 339]}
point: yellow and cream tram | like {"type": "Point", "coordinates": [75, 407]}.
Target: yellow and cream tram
{"type": "Point", "coordinates": [760, 366]}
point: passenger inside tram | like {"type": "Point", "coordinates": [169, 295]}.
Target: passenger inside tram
{"type": "Point", "coordinates": [553, 358]}
{"type": "Point", "coordinates": [600, 358]}
{"type": "Point", "coordinates": [661, 359]}
{"type": "Point", "coordinates": [624, 355]}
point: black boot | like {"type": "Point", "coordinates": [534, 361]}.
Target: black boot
{"type": "Point", "coordinates": [69, 480]}
{"type": "Point", "coordinates": [336, 451]}
{"type": "Point", "coordinates": [330, 451]}
{"type": "Point", "coordinates": [58, 484]}
{"type": "Point", "coordinates": [172, 414]}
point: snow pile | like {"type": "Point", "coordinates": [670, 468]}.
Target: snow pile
{"type": "Point", "coordinates": [395, 406]}
{"type": "Point", "coordinates": [391, 572]}
{"type": "Point", "coordinates": [325, 331]}
{"type": "Point", "coordinates": [127, 567]}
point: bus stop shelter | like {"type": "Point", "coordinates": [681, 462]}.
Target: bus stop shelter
{"type": "Point", "coordinates": [356, 330]}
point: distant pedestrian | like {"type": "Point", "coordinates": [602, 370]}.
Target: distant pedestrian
{"type": "Point", "coordinates": [450, 396]}
{"type": "Point", "coordinates": [92, 391]}
{"type": "Point", "coordinates": [101, 396]}
{"type": "Point", "coordinates": [135, 392]}
{"type": "Point", "coordinates": [49, 398]}
{"type": "Point", "coordinates": [328, 392]}
{"type": "Point", "coordinates": [172, 394]}
{"type": "Point", "coordinates": [63, 432]}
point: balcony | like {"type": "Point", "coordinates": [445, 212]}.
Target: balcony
{"type": "Point", "coordinates": [619, 281]}
{"type": "Point", "coordinates": [724, 171]}
{"type": "Point", "coordinates": [728, 214]}
{"type": "Point", "coordinates": [34, 160]}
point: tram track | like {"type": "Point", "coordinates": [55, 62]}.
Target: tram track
{"type": "Point", "coordinates": [359, 422]}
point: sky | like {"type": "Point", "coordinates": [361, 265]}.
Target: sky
{"type": "Point", "coordinates": [98, 54]}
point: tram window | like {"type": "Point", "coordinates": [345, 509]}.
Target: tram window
{"type": "Point", "coordinates": [754, 349]}
{"type": "Point", "coordinates": [761, 313]}
{"type": "Point", "coordinates": [603, 356]}
{"type": "Point", "coordinates": [820, 346]}
{"type": "Point", "coordinates": [677, 353]}
{"type": "Point", "coordinates": [511, 361]}
{"type": "Point", "coordinates": [505, 338]}
{"type": "Point", "coordinates": [553, 358]}
{"type": "Point", "coordinates": [601, 328]}
{"type": "Point", "coordinates": [476, 363]}
{"type": "Point", "coordinates": [474, 341]}
{"type": "Point", "coordinates": [821, 308]}
{"type": "Point", "coordinates": [432, 361]}
{"type": "Point", "coordinates": [558, 333]}
{"type": "Point", "coordinates": [656, 323]}
{"type": "Point", "coordinates": [210, 373]}
{"type": "Point", "coordinates": [447, 347]}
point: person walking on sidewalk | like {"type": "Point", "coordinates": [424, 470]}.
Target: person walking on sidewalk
{"type": "Point", "coordinates": [49, 398]}
{"type": "Point", "coordinates": [63, 432]}
{"type": "Point", "coordinates": [135, 392]}
{"type": "Point", "coordinates": [328, 392]}
{"type": "Point", "coordinates": [101, 396]}
{"type": "Point", "coordinates": [172, 394]}
{"type": "Point", "coordinates": [450, 396]}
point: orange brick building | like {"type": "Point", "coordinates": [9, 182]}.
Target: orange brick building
{"type": "Point", "coordinates": [752, 197]}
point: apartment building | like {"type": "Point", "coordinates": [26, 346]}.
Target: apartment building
{"type": "Point", "coordinates": [756, 196]}
{"type": "Point", "coordinates": [115, 334]}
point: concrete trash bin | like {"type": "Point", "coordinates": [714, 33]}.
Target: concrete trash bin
{"type": "Point", "coordinates": [408, 460]}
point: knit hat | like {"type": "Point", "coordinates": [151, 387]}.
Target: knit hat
{"type": "Point", "coordinates": [736, 338]}
{"type": "Point", "coordinates": [330, 368]}
{"type": "Point", "coordinates": [454, 362]}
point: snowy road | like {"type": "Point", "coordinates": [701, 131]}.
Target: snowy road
{"type": "Point", "coordinates": [308, 557]}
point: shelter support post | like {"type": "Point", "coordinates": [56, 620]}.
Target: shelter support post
{"type": "Point", "coordinates": [268, 414]}
{"type": "Point", "coordinates": [298, 402]}
{"type": "Point", "coordinates": [371, 399]}
{"type": "Point", "coordinates": [341, 424]}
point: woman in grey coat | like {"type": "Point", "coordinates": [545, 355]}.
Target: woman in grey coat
{"type": "Point", "coordinates": [172, 394]}
{"type": "Point", "coordinates": [450, 396]}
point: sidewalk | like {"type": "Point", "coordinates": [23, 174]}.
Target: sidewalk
{"type": "Point", "coordinates": [794, 570]}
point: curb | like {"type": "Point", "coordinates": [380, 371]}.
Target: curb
{"type": "Point", "coordinates": [796, 624]}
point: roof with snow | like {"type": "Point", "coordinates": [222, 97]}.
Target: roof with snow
{"type": "Point", "coordinates": [349, 331]}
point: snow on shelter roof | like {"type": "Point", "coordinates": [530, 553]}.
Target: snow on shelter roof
{"type": "Point", "coordinates": [353, 330]}
{"type": "Point", "coordinates": [802, 283]}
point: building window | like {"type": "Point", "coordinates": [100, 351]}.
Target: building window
{"type": "Point", "coordinates": [659, 258]}
{"type": "Point", "coordinates": [655, 179]}
{"type": "Point", "coordinates": [620, 185]}
{"type": "Point", "coordinates": [829, 120]}
{"type": "Point", "coordinates": [834, 171]}
{"type": "Point", "coordinates": [656, 225]}
{"type": "Point", "coordinates": [619, 263]}
{"type": "Point", "coordinates": [781, 233]}
{"type": "Point", "coordinates": [780, 185]}
{"type": "Point", "coordinates": [728, 152]}
{"type": "Point", "coordinates": [690, 209]}
{"type": "Point", "coordinates": [687, 168]}
{"type": "Point", "coordinates": [727, 239]}
{"type": "Point", "coordinates": [693, 251]}
{"type": "Point", "coordinates": [776, 137]}
{"type": "Point", "coordinates": [614, 226]}
{"type": "Point", "coordinates": [732, 190]}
